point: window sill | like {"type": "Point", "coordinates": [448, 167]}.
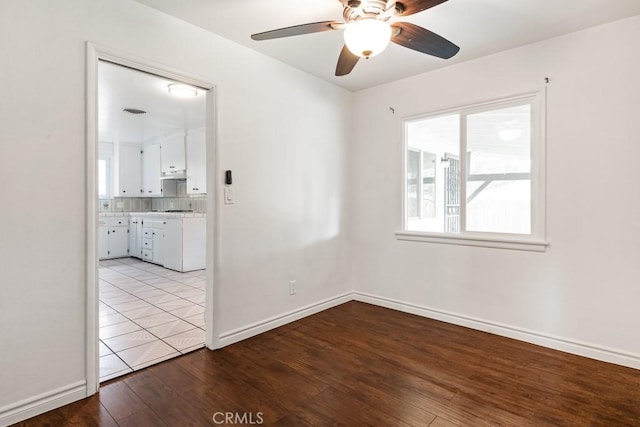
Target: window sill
{"type": "Point", "coordinates": [485, 242]}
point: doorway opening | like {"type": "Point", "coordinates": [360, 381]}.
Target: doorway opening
{"type": "Point", "coordinates": [150, 245]}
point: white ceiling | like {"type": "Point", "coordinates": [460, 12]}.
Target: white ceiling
{"type": "Point", "coordinates": [479, 27]}
{"type": "Point", "coordinates": [120, 87]}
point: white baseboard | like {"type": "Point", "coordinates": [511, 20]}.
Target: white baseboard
{"type": "Point", "coordinates": [42, 403]}
{"type": "Point", "coordinates": [257, 328]}
{"type": "Point", "coordinates": [544, 340]}
{"type": "Point", "coordinates": [36, 405]}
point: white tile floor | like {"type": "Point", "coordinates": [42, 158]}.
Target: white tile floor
{"type": "Point", "coordinates": [148, 314]}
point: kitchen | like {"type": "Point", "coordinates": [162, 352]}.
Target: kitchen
{"type": "Point", "coordinates": [152, 218]}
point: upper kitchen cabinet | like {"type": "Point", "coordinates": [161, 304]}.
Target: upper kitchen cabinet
{"type": "Point", "coordinates": [173, 155]}
{"type": "Point", "coordinates": [196, 163]}
{"type": "Point", "coordinates": [128, 171]}
{"type": "Point", "coordinates": [151, 171]}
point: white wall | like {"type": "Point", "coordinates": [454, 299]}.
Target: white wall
{"type": "Point", "coordinates": [282, 132]}
{"type": "Point", "coordinates": [584, 289]}
{"type": "Point", "coordinates": [288, 138]}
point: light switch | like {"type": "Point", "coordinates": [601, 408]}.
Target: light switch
{"type": "Point", "coordinates": [228, 196]}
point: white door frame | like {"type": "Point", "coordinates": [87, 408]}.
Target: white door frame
{"type": "Point", "coordinates": [96, 53]}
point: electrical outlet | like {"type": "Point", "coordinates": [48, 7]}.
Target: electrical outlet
{"type": "Point", "coordinates": [292, 287]}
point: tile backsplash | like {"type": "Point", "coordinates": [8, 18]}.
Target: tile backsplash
{"type": "Point", "coordinates": [197, 203]}
{"type": "Point", "coordinates": [125, 204]}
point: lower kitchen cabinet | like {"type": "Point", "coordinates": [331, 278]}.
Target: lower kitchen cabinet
{"type": "Point", "coordinates": [158, 241]}
{"type": "Point", "coordinates": [113, 237]}
{"type": "Point", "coordinates": [146, 241]}
{"type": "Point", "coordinates": [103, 239]}
{"type": "Point", "coordinates": [135, 237]}
{"type": "Point", "coordinates": [185, 244]}
{"type": "Point", "coordinates": [152, 241]}
{"type": "Point", "coordinates": [173, 242]}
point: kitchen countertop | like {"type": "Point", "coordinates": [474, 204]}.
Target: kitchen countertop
{"type": "Point", "coordinates": [156, 214]}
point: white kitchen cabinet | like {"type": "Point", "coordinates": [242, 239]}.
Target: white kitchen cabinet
{"type": "Point", "coordinates": [158, 241]}
{"type": "Point", "coordinates": [103, 239]}
{"type": "Point", "coordinates": [135, 236]}
{"type": "Point", "coordinates": [146, 240]}
{"type": "Point", "coordinates": [172, 154]}
{"type": "Point", "coordinates": [152, 240]}
{"type": "Point", "coordinates": [173, 244]}
{"type": "Point", "coordinates": [113, 237]}
{"type": "Point", "coordinates": [196, 148]}
{"type": "Point", "coordinates": [138, 236]}
{"type": "Point", "coordinates": [185, 244]}
{"type": "Point", "coordinates": [118, 237]}
{"type": "Point", "coordinates": [147, 245]}
{"type": "Point", "coordinates": [118, 242]}
{"type": "Point", "coordinates": [128, 171]}
{"type": "Point", "coordinates": [151, 171]}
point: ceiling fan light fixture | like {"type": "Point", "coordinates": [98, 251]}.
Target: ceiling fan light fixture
{"type": "Point", "coordinates": [367, 37]}
{"type": "Point", "coordinates": [182, 91]}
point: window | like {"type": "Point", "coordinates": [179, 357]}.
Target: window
{"type": "Point", "coordinates": [421, 184]}
{"type": "Point", "coordinates": [476, 173]}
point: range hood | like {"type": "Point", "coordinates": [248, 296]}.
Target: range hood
{"type": "Point", "coordinates": [174, 175]}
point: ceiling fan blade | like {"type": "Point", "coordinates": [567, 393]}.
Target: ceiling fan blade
{"type": "Point", "coordinates": [420, 39]}
{"type": "Point", "coordinates": [297, 30]}
{"type": "Point", "coordinates": [346, 62]}
{"type": "Point", "coordinates": [409, 7]}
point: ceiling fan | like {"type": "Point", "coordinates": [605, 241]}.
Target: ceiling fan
{"type": "Point", "coordinates": [369, 26]}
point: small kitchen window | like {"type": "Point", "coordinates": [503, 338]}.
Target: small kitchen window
{"type": "Point", "coordinates": [475, 175]}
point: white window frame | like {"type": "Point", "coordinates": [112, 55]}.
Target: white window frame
{"type": "Point", "coordinates": [536, 241]}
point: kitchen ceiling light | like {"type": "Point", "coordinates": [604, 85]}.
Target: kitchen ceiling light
{"type": "Point", "coordinates": [182, 91]}
{"type": "Point", "coordinates": [367, 37]}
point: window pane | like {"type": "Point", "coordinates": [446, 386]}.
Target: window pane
{"type": "Point", "coordinates": [499, 171]}
{"type": "Point", "coordinates": [413, 170]}
{"type": "Point", "coordinates": [428, 185]}
{"type": "Point", "coordinates": [436, 142]}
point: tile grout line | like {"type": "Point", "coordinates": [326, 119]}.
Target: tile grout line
{"type": "Point", "coordinates": [126, 274]}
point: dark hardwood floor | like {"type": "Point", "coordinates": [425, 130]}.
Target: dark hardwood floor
{"type": "Point", "coordinates": [357, 365]}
